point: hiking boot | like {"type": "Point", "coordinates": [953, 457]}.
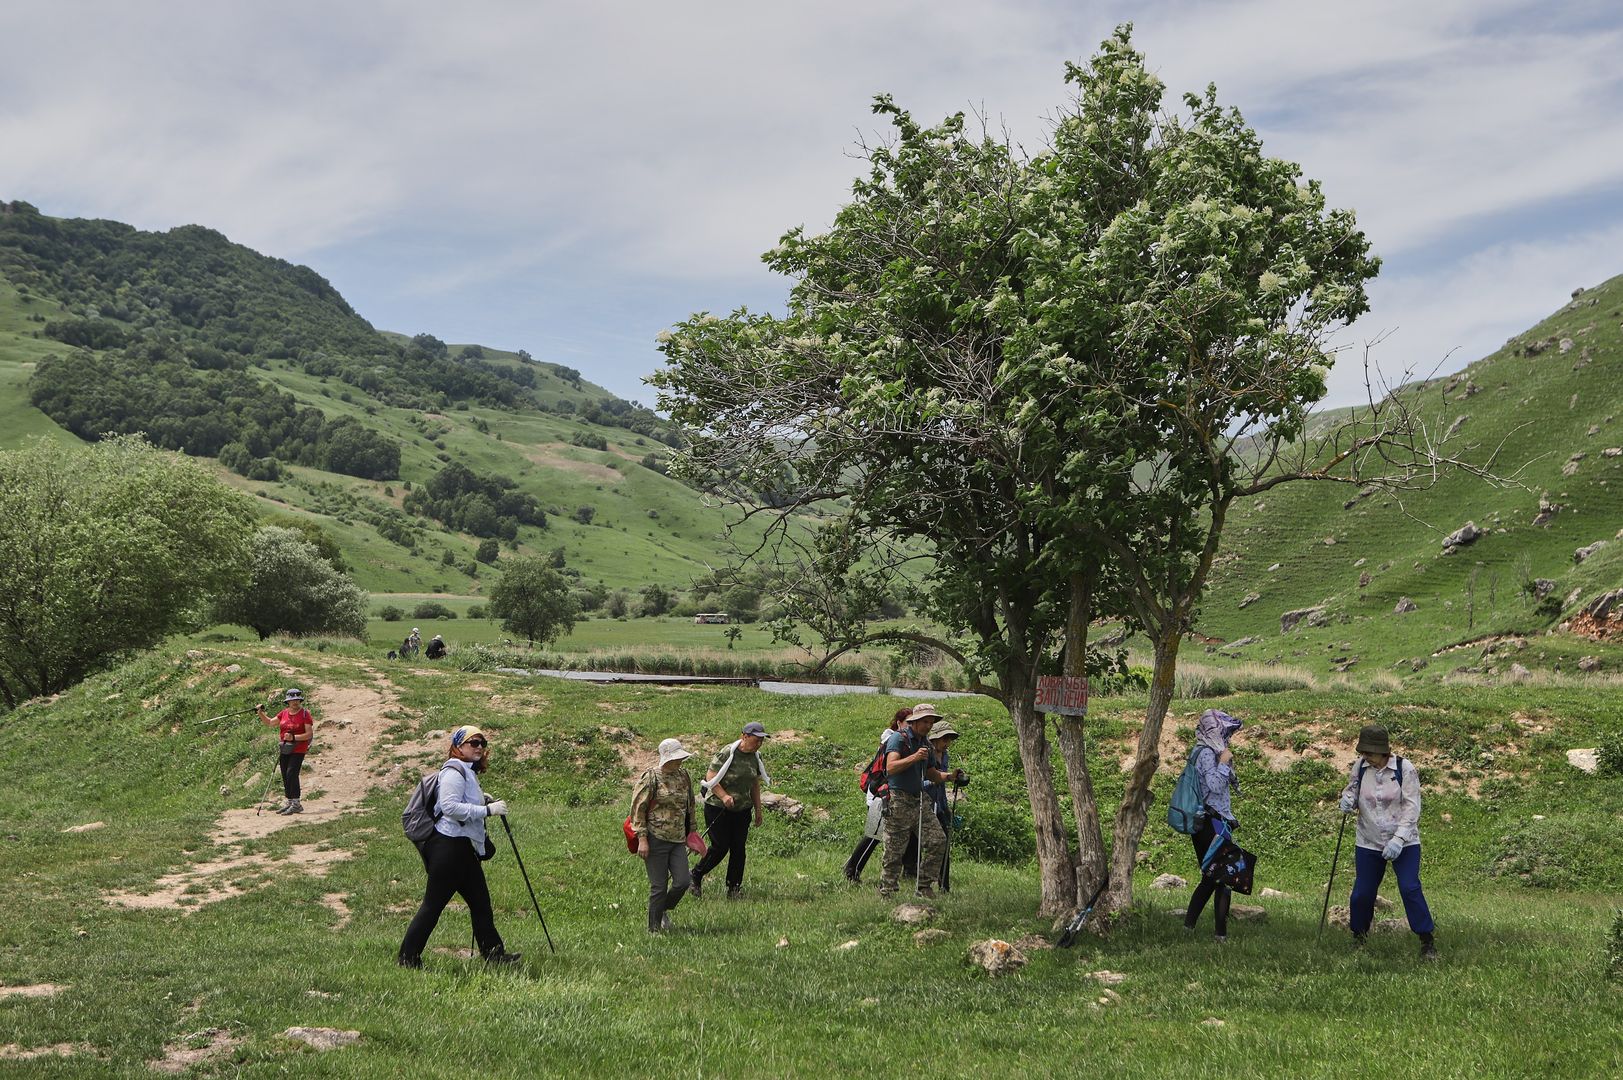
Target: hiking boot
{"type": "Point", "coordinates": [409, 961]}
{"type": "Point", "coordinates": [501, 957]}
{"type": "Point", "coordinates": [286, 807]}
{"type": "Point", "coordinates": [1428, 950]}
{"type": "Point", "coordinates": [1360, 940]}
{"type": "Point", "coordinates": [735, 892]}
{"type": "Point", "coordinates": [694, 890]}
{"type": "Point", "coordinates": [665, 921]}
{"type": "Point", "coordinates": [1220, 938]}
{"type": "Point", "coordinates": [294, 807]}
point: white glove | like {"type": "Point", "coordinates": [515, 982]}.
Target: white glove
{"type": "Point", "coordinates": [1393, 848]}
{"type": "Point", "coordinates": [1349, 802]}
{"type": "Point", "coordinates": [496, 808]}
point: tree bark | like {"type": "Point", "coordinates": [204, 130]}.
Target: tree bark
{"type": "Point", "coordinates": [1055, 865]}
{"type": "Point", "coordinates": [1090, 842]}
{"type": "Point", "coordinates": [1133, 814]}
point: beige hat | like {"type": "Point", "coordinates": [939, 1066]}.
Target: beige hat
{"type": "Point", "coordinates": [671, 750]}
{"type": "Point", "coordinates": [942, 729]}
{"type": "Point", "coordinates": [922, 711]}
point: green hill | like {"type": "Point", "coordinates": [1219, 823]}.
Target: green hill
{"type": "Point", "coordinates": [207, 346]}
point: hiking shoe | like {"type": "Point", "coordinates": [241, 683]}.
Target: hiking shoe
{"type": "Point", "coordinates": [285, 808]}
{"type": "Point", "coordinates": [294, 807]}
{"type": "Point", "coordinates": [1428, 951]}
{"type": "Point", "coordinates": [502, 957]}
{"type": "Point", "coordinates": [695, 890]}
{"type": "Point", "coordinates": [1220, 938]}
{"type": "Point", "coordinates": [665, 921]}
{"type": "Point", "coordinates": [409, 961]}
{"type": "Point", "coordinates": [1360, 940]}
{"type": "Point", "coordinates": [735, 892]}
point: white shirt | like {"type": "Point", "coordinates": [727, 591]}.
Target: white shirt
{"type": "Point", "coordinates": [1385, 807]}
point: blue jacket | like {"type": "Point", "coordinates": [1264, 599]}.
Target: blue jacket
{"type": "Point", "coordinates": [462, 803]}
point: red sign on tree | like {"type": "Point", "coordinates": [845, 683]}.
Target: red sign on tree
{"type": "Point", "coordinates": [1063, 694]}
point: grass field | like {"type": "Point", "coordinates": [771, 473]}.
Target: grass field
{"type": "Point", "coordinates": [1522, 872]}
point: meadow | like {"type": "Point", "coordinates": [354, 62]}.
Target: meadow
{"type": "Point", "coordinates": [1521, 870]}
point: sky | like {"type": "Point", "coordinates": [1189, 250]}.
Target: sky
{"type": "Point", "coordinates": [572, 178]}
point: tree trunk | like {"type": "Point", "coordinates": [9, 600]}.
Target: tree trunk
{"type": "Point", "coordinates": [1090, 841]}
{"type": "Point", "coordinates": [1054, 862]}
{"type": "Point", "coordinates": [1133, 813]}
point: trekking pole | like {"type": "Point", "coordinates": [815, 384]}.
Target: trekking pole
{"type": "Point", "coordinates": [1328, 885]}
{"type": "Point", "coordinates": [527, 884]}
{"type": "Point", "coordinates": [1067, 937]}
{"type": "Point", "coordinates": [227, 716]}
{"type": "Point", "coordinates": [275, 774]}
{"type": "Point", "coordinates": [918, 860]}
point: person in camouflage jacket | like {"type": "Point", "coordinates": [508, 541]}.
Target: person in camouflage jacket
{"type": "Point", "coordinates": [662, 815]}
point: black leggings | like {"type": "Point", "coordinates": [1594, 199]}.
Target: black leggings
{"type": "Point", "coordinates": [1203, 892]}
{"type": "Point", "coordinates": [453, 867]}
{"type": "Point", "coordinates": [290, 764]}
{"type": "Point", "coordinates": [729, 832]}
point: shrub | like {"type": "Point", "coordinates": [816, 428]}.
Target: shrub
{"type": "Point", "coordinates": [432, 609]}
{"type": "Point", "coordinates": [390, 613]}
{"type": "Point", "coordinates": [478, 611]}
{"type": "Point", "coordinates": [584, 514]}
{"type": "Point", "coordinates": [1609, 754]}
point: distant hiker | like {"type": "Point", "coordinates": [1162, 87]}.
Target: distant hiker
{"type": "Point", "coordinates": [871, 777]}
{"type": "Point", "coordinates": [1385, 791]}
{"type": "Point", "coordinates": [414, 641]}
{"type": "Point", "coordinates": [942, 736]}
{"type": "Point", "coordinates": [295, 725]}
{"type": "Point", "coordinates": [909, 760]}
{"type": "Point", "coordinates": [436, 648]}
{"type": "Point", "coordinates": [1214, 766]}
{"type": "Point", "coordinates": [453, 852]}
{"type": "Point", "coordinates": [732, 791]}
{"type": "Point", "coordinates": [662, 815]}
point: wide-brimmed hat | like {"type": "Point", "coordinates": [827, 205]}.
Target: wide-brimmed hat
{"type": "Point", "coordinates": [293, 694]}
{"type": "Point", "coordinates": [464, 733]}
{"type": "Point", "coordinates": [756, 728]}
{"type": "Point", "coordinates": [923, 711]}
{"type": "Point", "coordinates": [671, 750]}
{"type": "Point", "coordinates": [942, 729]}
{"type": "Point", "coordinates": [1373, 740]}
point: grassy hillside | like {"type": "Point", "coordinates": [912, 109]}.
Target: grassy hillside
{"type": "Point", "coordinates": [1551, 394]}
{"type": "Point", "coordinates": [235, 935]}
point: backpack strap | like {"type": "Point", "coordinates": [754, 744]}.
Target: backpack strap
{"type": "Point", "coordinates": [688, 820]}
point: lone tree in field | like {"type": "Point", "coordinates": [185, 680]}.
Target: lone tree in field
{"type": "Point", "coordinates": [104, 550]}
{"type": "Point", "coordinates": [292, 588]}
{"type": "Point", "coordinates": [533, 600]}
{"type": "Point", "coordinates": [1038, 385]}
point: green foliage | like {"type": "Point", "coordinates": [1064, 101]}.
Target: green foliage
{"type": "Point", "coordinates": [477, 611]}
{"type": "Point", "coordinates": [390, 613]}
{"type": "Point", "coordinates": [584, 514]}
{"type": "Point", "coordinates": [432, 609]}
{"type": "Point", "coordinates": [532, 600]}
{"type": "Point", "coordinates": [1614, 949]}
{"type": "Point", "coordinates": [1563, 851]}
{"type": "Point", "coordinates": [589, 440]}
{"type": "Point", "coordinates": [489, 550]}
{"type": "Point", "coordinates": [293, 589]}
{"type": "Point", "coordinates": [483, 505]}
{"type": "Point", "coordinates": [656, 600]}
{"type": "Point", "coordinates": [1609, 754]}
{"type": "Point", "coordinates": [107, 549]}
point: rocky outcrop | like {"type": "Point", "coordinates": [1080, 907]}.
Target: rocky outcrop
{"type": "Point", "coordinates": [1585, 552]}
{"type": "Point", "coordinates": [1546, 511]}
{"type": "Point", "coordinates": [1404, 606]}
{"type": "Point", "coordinates": [1461, 537]}
{"type": "Point", "coordinates": [1313, 616]}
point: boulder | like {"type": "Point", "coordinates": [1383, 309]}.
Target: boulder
{"type": "Point", "coordinates": [1169, 882]}
{"type": "Point", "coordinates": [913, 914]}
{"type": "Point", "coordinates": [1404, 606]}
{"type": "Point", "coordinates": [1313, 616]}
{"type": "Point", "coordinates": [1607, 606]}
{"type": "Point", "coordinates": [1589, 663]}
{"type": "Point", "coordinates": [1584, 760]}
{"type": "Point", "coordinates": [1249, 599]}
{"type": "Point", "coordinates": [783, 804]}
{"type": "Point", "coordinates": [1612, 451]}
{"type": "Point", "coordinates": [1565, 345]}
{"type": "Point", "coordinates": [1460, 537]}
{"type": "Point", "coordinates": [1364, 579]}
{"type": "Point", "coordinates": [1546, 511]}
{"type": "Point", "coordinates": [996, 957]}
{"type": "Point", "coordinates": [1571, 467]}
{"type": "Point", "coordinates": [1585, 552]}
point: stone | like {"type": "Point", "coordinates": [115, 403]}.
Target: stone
{"type": "Point", "coordinates": [233, 669]}
{"type": "Point", "coordinates": [1418, 663]}
{"type": "Point", "coordinates": [1460, 537]}
{"type": "Point", "coordinates": [913, 914]}
{"type": "Point", "coordinates": [1359, 563]}
{"type": "Point", "coordinates": [1242, 642]}
{"type": "Point", "coordinates": [1607, 607]}
{"type": "Point", "coordinates": [1589, 663]}
{"type": "Point", "coordinates": [1542, 587]}
{"type": "Point", "coordinates": [1274, 567]}
{"type": "Point", "coordinates": [1168, 882]}
{"type": "Point", "coordinates": [1519, 673]}
{"type": "Point", "coordinates": [1454, 428]}
{"type": "Point", "coordinates": [1585, 760]}
{"type": "Point", "coordinates": [1404, 606]}
{"type": "Point", "coordinates": [89, 826]}
{"type": "Point", "coordinates": [782, 804]}
{"type": "Point", "coordinates": [930, 936]}
{"type": "Point", "coordinates": [1612, 451]}
{"type": "Point", "coordinates": [1594, 429]}
{"type": "Point", "coordinates": [1565, 345]}
{"type": "Point", "coordinates": [1571, 467]}
{"type": "Point", "coordinates": [1329, 541]}
{"type": "Point", "coordinates": [1107, 977]}
{"type": "Point", "coordinates": [1273, 894]}
{"type": "Point", "coordinates": [1546, 511]}
{"type": "Point", "coordinates": [322, 1038]}
{"type": "Point", "coordinates": [846, 946]}
{"type": "Point", "coordinates": [1248, 912]}
{"type": "Point", "coordinates": [1212, 1022]}
{"type": "Point", "coordinates": [1313, 616]}
{"type": "Point", "coordinates": [1249, 599]}
{"type": "Point", "coordinates": [996, 957]}
{"type": "Point", "coordinates": [1585, 552]}
{"type": "Point", "coordinates": [1364, 579]}
{"type": "Point", "coordinates": [783, 943]}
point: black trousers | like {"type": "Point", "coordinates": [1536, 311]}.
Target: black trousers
{"type": "Point", "coordinates": [453, 869]}
{"type": "Point", "coordinates": [289, 766]}
{"type": "Point", "coordinates": [1203, 892]}
{"type": "Point", "coordinates": [729, 832]}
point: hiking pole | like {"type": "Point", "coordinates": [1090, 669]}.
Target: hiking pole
{"type": "Point", "coordinates": [1325, 914]}
{"type": "Point", "coordinates": [275, 773]}
{"type": "Point", "coordinates": [527, 884]}
{"type": "Point", "coordinates": [918, 860]}
{"type": "Point", "coordinates": [1067, 938]}
{"type": "Point", "coordinates": [227, 716]}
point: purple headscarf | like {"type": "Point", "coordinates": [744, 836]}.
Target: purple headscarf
{"type": "Point", "coordinates": [1215, 728]}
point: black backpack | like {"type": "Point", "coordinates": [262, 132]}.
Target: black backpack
{"type": "Point", "coordinates": [422, 809]}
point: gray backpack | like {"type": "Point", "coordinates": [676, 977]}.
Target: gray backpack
{"type": "Point", "coordinates": [422, 809]}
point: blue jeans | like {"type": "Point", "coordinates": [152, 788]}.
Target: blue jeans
{"type": "Point", "coordinates": [1369, 869]}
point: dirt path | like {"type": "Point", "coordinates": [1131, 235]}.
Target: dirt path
{"type": "Point", "coordinates": [336, 779]}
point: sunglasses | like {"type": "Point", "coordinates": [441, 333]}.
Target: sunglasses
{"type": "Point", "coordinates": [480, 743]}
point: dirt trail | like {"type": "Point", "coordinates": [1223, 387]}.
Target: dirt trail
{"type": "Point", "coordinates": [336, 779]}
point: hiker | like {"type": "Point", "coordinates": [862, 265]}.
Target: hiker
{"type": "Point", "coordinates": [1385, 791]}
{"type": "Point", "coordinates": [296, 725]}
{"type": "Point", "coordinates": [732, 793]}
{"type": "Point", "coordinates": [414, 641]}
{"type": "Point", "coordinates": [909, 761]}
{"type": "Point", "coordinates": [942, 736]}
{"type": "Point", "coordinates": [662, 815]}
{"type": "Point", "coordinates": [436, 648]}
{"type": "Point", "coordinates": [1214, 765]}
{"type": "Point", "coordinates": [876, 797]}
{"type": "Point", "coordinates": [454, 850]}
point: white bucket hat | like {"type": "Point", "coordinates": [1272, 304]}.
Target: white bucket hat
{"type": "Point", "coordinates": [671, 750]}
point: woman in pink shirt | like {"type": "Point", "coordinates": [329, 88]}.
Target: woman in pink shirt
{"type": "Point", "coordinates": [296, 725]}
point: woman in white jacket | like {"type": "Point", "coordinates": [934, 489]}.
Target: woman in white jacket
{"type": "Point", "coordinates": [1385, 791]}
